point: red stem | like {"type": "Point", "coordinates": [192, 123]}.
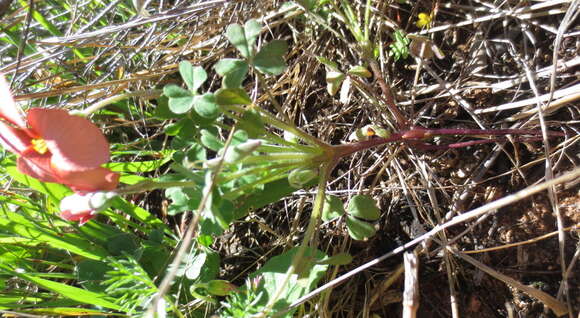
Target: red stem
{"type": "Point", "coordinates": [422, 133]}
{"type": "Point", "coordinates": [415, 135]}
{"type": "Point", "coordinates": [387, 97]}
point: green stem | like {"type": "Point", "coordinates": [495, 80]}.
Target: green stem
{"type": "Point", "coordinates": [293, 156]}
{"type": "Point", "coordinates": [272, 120]}
{"type": "Point", "coordinates": [268, 118]}
{"type": "Point", "coordinates": [275, 175]}
{"type": "Point", "coordinates": [149, 185]}
{"type": "Point", "coordinates": [277, 105]}
{"type": "Point", "coordinates": [281, 145]}
{"type": "Point", "coordinates": [255, 170]}
{"type": "Point", "coordinates": [325, 169]}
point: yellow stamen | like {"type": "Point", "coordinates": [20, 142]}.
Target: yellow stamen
{"type": "Point", "coordinates": [424, 20]}
{"type": "Point", "coordinates": [39, 145]}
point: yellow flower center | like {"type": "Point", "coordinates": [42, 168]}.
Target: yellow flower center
{"type": "Point", "coordinates": [39, 145]}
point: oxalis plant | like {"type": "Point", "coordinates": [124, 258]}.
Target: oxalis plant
{"type": "Point", "coordinates": [228, 156]}
{"type": "Point", "coordinates": [264, 158]}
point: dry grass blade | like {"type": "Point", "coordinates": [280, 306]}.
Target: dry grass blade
{"type": "Point", "coordinates": [555, 305]}
{"type": "Point", "coordinates": [411, 292]}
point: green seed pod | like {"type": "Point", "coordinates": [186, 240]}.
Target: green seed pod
{"type": "Point", "coordinates": [212, 163]}
{"type": "Point", "coordinates": [300, 176]}
{"type": "Point", "coordinates": [100, 201]}
{"type": "Point", "coordinates": [239, 152]}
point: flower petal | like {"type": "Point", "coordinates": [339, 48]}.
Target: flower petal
{"type": "Point", "coordinates": [98, 179]}
{"type": "Point", "coordinates": [37, 166]}
{"type": "Point", "coordinates": [15, 140]}
{"type": "Point", "coordinates": [8, 108]}
{"type": "Point", "coordinates": [76, 208]}
{"type": "Point", "coordinates": [75, 143]}
{"type": "Point", "coordinates": [76, 203]}
{"type": "Point", "coordinates": [81, 218]}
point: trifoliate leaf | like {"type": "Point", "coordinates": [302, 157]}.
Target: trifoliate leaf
{"type": "Point", "coordinates": [210, 140]}
{"type": "Point", "coordinates": [232, 96]}
{"type": "Point", "coordinates": [233, 71]}
{"type": "Point", "coordinates": [364, 207]}
{"type": "Point", "coordinates": [243, 38]}
{"type": "Point", "coordinates": [358, 229]}
{"type": "Point", "coordinates": [333, 208]}
{"type": "Point", "coordinates": [237, 37]}
{"type": "Point", "coordinates": [252, 28]}
{"type": "Point", "coordinates": [205, 105]}
{"type": "Point", "coordinates": [270, 59]}
{"type": "Point", "coordinates": [180, 100]}
{"type": "Point", "coordinates": [193, 77]}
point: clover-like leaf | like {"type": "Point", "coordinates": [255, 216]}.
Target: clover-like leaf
{"type": "Point", "coordinates": [364, 207]}
{"type": "Point", "coordinates": [240, 136]}
{"type": "Point", "coordinates": [233, 71]}
{"type": "Point", "coordinates": [236, 35]}
{"type": "Point", "coordinates": [243, 38]}
{"type": "Point", "coordinates": [180, 100]}
{"type": "Point", "coordinates": [162, 110]}
{"type": "Point", "coordinates": [270, 59]}
{"type": "Point", "coordinates": [173, 129]}
{"type": "Point", "coordinates": [182, 199]}
{"type": "Point", "coordinates": [205, 105]}
{"type": "Point", "coordinates": [210, 140]}
{"type": "Point", "coordinates": [359, 229]}
{"type": "Point", "coordinates": [275, 270]}
{"type": "Point", "coordinates": [193, 77]}
{"type": "Point", "coordinates": [173, 91]}
{"type": "Point", "coordinates": [333, 208]}
{"type": "Point", "coordinates": [252, 29]}
{"type": "Point", "coordinates": [232, 96]}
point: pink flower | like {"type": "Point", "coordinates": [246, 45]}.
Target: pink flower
{"type": "Point", "coordinates": [54, 146]}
